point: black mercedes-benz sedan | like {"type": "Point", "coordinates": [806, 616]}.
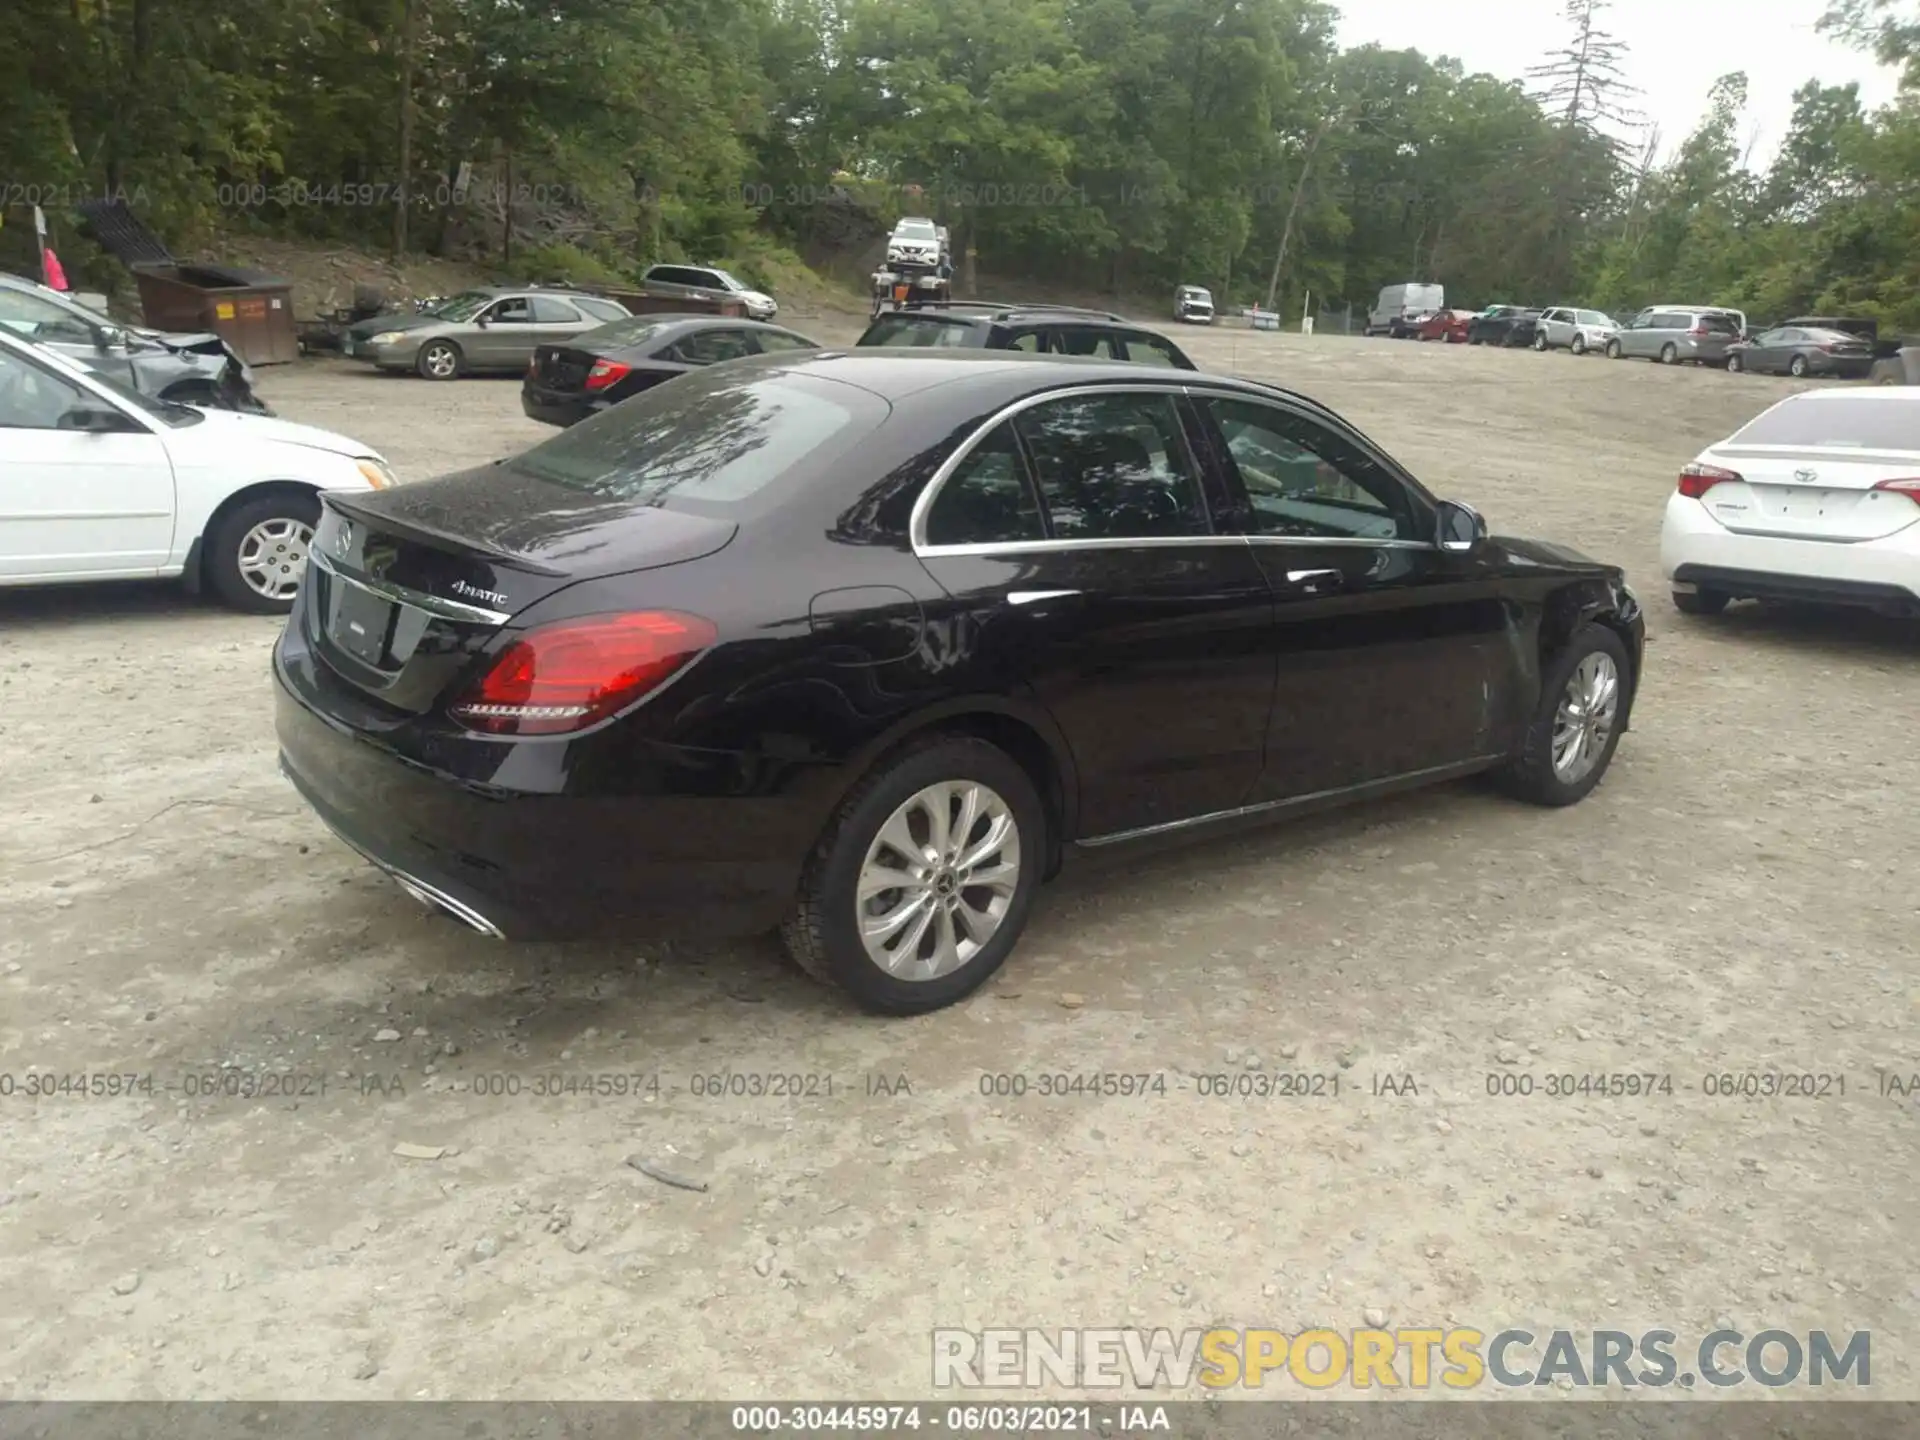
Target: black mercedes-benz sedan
{"type": "Point", "coordinates": [567, 383]}
{"type": "Point", "coordinates": [864, 644]}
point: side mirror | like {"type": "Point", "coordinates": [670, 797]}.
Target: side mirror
{"type": "Point", "coordinates": [1459, 527]}
{"type": "Point", "coordinates": [484, 319]}
{"type": "Point", "coordinates": [93, 420]}
{"type": "Point", "coordinates": [105, 337]}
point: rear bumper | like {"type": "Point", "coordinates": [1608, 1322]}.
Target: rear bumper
{"type": "Point", "coordinates": [1696, 550]}
{"type": "Point", "coordinates": [557, 407]}
{"type": "Point", "coordinates": [526, 865]}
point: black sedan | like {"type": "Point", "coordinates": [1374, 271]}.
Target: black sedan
{"type": "Point", "coordinates": [865, 644]}
{"type": "Point", "coordinates": [570, 382]}
{"type": "Point", "coordinates": [1795, 350]}
{"type": "Point", "coordinates": [1505, 325]}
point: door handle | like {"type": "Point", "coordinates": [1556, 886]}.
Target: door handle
{"type": "Point", "coordinates": [1309, 578]}
{"type": "Point", "coordinates": [1033, 597]}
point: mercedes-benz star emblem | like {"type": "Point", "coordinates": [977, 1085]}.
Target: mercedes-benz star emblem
{"type": "Point", "coordinates": [343, 541]}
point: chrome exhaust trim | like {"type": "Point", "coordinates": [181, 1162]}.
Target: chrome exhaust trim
{"type": "Point", "coordinates": [440, 900]}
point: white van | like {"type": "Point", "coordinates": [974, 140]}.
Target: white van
{"type": "Point", "coordinates": [1401, 307]}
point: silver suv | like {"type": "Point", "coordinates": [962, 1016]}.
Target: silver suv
{"type": "Point", "coordinates": [705, 282]}
{"type": "Point", "coordinates": [1577, 330]}
{"type": "Point", "coordinates": [1671, 334]}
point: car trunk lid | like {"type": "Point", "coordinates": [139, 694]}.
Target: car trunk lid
{"type": "Point", "coordinates": [562, 367]}
{"type": "Point", "coordinates": [1812, 494]}
{"type": "Point", "coordinates": [408, 587]}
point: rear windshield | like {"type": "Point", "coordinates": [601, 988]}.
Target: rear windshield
{"type": "Point", "coordinates": [919, 330]}
{"type": "Point", "coordinates": [1718, 324]}
{"type": "Point", "coordinates": [625, 332]}
{"type": "Point", "coordinates": [714, 440]}
{"type": "Point", "coordinates": [1850, 423]}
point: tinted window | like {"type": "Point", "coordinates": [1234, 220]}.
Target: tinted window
{"type": "Point", "coordinates": [511, 312]}
{"type": "Point", "coordinates": [34, 399]}
{"type": "Point", "coordinates": [634, 330]}
{"type": "Point", "coordinates": [710, 440]}
{"type": "Point", "coordinates": [1306, 481]}
{"type": "Point", "coordinates": [1113, 466]}
{"type": "Point", "coordinates": [921, 330]}
{"type": "Point", "coordinates": [1096, 344]}
{"type": "Point", "coordinates": [988, 499]}
{"type": "Point", "coordinates": [1719, 324]}
{"type": "Point", "coordinates": [1150, 350]}
{"type": "Point", "coordinates": [669, 275]}
{"type": "Point", "coordinates": [1031, 341]}
{"type": "Point", "coordinates": [549, 311]}
{"type": "Point", "coordinates": [707, 347]}
{"type": "Point", "coordinates": [1849, 422]}
{"type": "Point", "coordinates": [601, 309]}
{"type": "Point", "coordinates": [774, 341]}
{"type": "Point", "coordinates": [1668, 320]}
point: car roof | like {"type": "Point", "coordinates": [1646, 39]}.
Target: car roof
{"type": "Point", "coordinates": [896, 373]}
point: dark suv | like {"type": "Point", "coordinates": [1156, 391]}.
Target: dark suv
{"type": "Point", "coordinates": [1036, 329]}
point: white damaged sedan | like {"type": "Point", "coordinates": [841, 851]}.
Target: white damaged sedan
{"type": "Point", "coordinates": [104, 483]}
{"type": "Point", "coordinates": [1816, 499]}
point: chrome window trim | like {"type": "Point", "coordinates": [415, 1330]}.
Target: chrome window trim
{"type": "Point", "coordinates": [417, 599]}
{"type": "Point", "coordinates": [917, 521]}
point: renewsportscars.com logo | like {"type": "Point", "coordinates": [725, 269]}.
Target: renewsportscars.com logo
{"type": "Point", "coordinates": [1456, 1358]}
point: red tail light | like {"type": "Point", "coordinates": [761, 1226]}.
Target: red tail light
{"type": "Point", "coordinates": [572, 674]}
{"type": "Point", "coordinates": [1698, 329]}
{"type": "Point", "coordinates": [1908, 488]}
{"type": "Point", "coordinates": [1696, 480]}
{"type": "Point", "coordinates": [605, 373]}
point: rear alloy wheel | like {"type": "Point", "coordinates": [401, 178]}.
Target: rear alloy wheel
{"type": "Point", "coordinates": [1735, 364]}
{"type": "Point", "coordinates": [439, 360]}
{"type": "Point", "coordinates": [1579, 346]}
{"type": "Point", "coordinates": [1613, 350]}
{"type": "Point", "coordinates": [1540, 342]}
{"type": "Point", "coordinates": [922, 883]}
{"type": "Point", "coordinates": [1798, 369]}
{"type": "Point", "coordinates": [257, 553]}
{"type": "Point", "coordinates": [1701, 602]}
{"type": "Point", "coordinates": [1669, 355]}
{"type": "Point", "coordinates": [1570, 742]}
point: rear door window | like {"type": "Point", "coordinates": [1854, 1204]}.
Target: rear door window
{"type": "Point", "coordinates": [598, 309]}
{"type": "Point", "coordinates": [1114, 466]}
{"type": "Point", "coordinates": [709, 347]}
{"type": "Point", "coordinates": [772, 342]}
{"type": "Point", "coordinates": [549, 311]}
{"type": "Point", "coordinates": [1086, 343]}
{"type": "Point", "coordinates": [1145, 349]}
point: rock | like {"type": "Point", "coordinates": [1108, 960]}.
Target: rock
{"type": "Point", "coordinates": [407, 1150]}
{"type": "Point", "coordinates": [484, 1249]}
{"type": "Point", "coordinates": [1671, 1192]}
{"type": "Point", "coordinates": [575, 1244]}
{"type": "Point", "coordinates": [386, 1036]}
{"type": "Point", "coordinates": [1445, 1127]}
{"type": "Point", "coordinates": [1723, 1322]}
{"type": "Point", "coordinates": [763, 1266]}
{"type": "Point", "coordinates": [1508, 1054]}
{"type": "Point", "coordinates": [1289, 1052]}
{"type": "Point", "coordinates": [127, 1283]}
{"type": "Point", "coordinates": [1375, 1316]}
{"type": "Point", "coordinates": [449, 1048]}
{"type": "Point", "coordinates": [367, 1368]}
{"type": "Point", "coordinates": [1253, 1062]}
{"type": "Point", "coordinates": [1595, 1171]}
{"type": "Point", "coordinates": [1071, 1001]}
{"type": "Point", "coordinates": [1233, 1055]}
{"type": "Point", "coordinates": [419, 1032]}
{"type": "Point", "coordinates": [1242, 1150]}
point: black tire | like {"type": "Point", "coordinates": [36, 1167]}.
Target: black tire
{"type": "Point", "coordinates": [1540, 341]}
{"type": "Point", "coordinates": [221, 551]}
{"type": "Point", "coordinates": [822, 935]}
{"type": "Point", "coordinates": [1735, 365]}
{"type": "Point", "coordinates": [1614, 352]}
{"type": "Point", "coordinates": [1529, 775]}
{"type": "Point", "coordinates": [430, 362]}
{"type": "Point", "coordinates": [1798, 368]}
{"type": "Point", "coordinates": [1669, 354]}
{"type": "Point", "coordinates": [1701, 602]}
{"type": "Point", "coordinates": [1579, 346]}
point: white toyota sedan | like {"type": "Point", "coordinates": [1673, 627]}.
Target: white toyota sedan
{"type": "Point", "coordinates": [1816, 499]}
{"type": "Point", "coordinates": [100, 482]}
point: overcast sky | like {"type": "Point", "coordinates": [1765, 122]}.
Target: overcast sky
{"type": "Point", "coordinates": [1675, 50]}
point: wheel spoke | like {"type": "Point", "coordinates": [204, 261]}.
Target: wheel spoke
{"type": "Point", "coordinates": [897, 835]}
{"type": "Point", "coordinates": [878, 879]}
{"type": "Point", "coordinates": [963, 827]}
{"type": "Point", "coordinates": [1003, 878]}
{"type": "Point", "coordinates": [979, 924]}
{"type": "Point", "coordinates": [878, 929]}
{"type": "Point", "coordinates": [937, 806]}
{"type": "Point", "coordinates": [907, 952]}
{"type": "Point", "coordinates": [995, 840]}
{"type": "Point", "coordinates": [946, 945]}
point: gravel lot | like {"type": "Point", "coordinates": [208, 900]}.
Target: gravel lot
{"type": "Point", "coordinates": [1736, 897]}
